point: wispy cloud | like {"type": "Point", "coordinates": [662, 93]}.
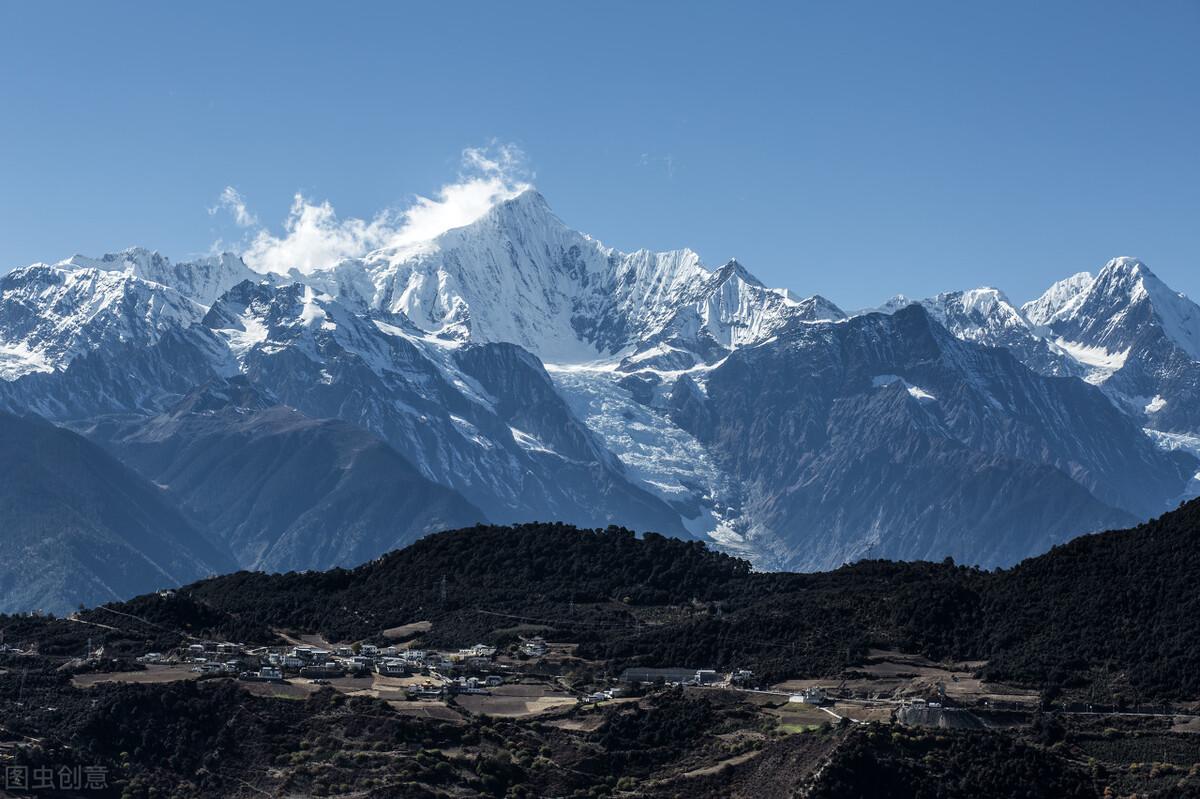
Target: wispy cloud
{"type": "Point", "coordinates": [232, 201]}
{"type": "Point", "coordinates": [315, 237]}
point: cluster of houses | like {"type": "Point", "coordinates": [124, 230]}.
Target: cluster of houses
{"type": "Point", "coordinates": [318, 664]}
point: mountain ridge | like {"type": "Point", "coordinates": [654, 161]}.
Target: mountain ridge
{"type": "Point", "coordinates": [540, 374]}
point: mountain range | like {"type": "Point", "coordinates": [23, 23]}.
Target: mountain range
{"type": "Point", "coordinates": [515, 370]}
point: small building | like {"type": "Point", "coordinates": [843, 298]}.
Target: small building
{"type": "Point", "coordinates": [425, 691]}
{"type": "Point", "coordinates": [707, 677]}
{"type": "Point", "coordinates": [534, 647]}
{"type": "Point", "coordinates": [392, 667]}
{"type": "Point", "coordinates": [478, 651]}
{"type": "Point", "coordinates": [493, 680]}
{"type": "Point", "coordinates": [810, 696]}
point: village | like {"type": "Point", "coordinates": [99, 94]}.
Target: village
{"type": "Point", "coordinates": [402, 670]}
{"type": "Point", "coordinates": [535, 677]}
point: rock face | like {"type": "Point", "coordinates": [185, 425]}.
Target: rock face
{"type": "Point", "coordinates": [79, 527]}
{"type": "Point", "coordinates": [888, 436]}
{"type": "Point", "coordinates": [515, 369]}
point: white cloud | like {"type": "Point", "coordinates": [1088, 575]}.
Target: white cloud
{"type": "Point", "coordinates": [233, 202]}
{"type": "Point", "coordinates": [315, 237]}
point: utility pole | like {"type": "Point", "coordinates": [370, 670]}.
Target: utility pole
{"type": "Point", "coordinates": [443, 591]}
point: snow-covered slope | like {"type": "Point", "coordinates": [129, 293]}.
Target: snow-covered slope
{"type": "Point", "coordinates": [1058, 299]}
{"type": "Point", "coordinates": [201, 281]}
{"type": "Point", "coordinates": [1137, 337]}
{"type": "Point", "coordinates": [50, 315]}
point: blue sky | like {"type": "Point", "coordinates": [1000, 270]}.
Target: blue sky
{"type": "Point", "coordinates": [852, 149]}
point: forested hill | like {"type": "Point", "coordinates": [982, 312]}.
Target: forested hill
{"type": "Point", "coordinates": [1121, 603]}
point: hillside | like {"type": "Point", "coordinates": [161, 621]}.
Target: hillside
{"type": "Point", "coordinates": [1106, 618]}
{"type": "Point", "coordinates": [281, 490]}
{"type": "Point", "coordinates": [80, 528]}
{"type": "Point", "coordinates": [1121, 601]}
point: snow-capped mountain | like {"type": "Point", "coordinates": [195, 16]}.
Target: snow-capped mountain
{"type": "Point", "coordinates": [1137, 337]}
{"type": "Point", "coordinates": [1059, 298]}
{"type": "Point", "coordinates": [1114, 310]}
{"type": "Point", "coordinates": [521, 276]}
{"type": "Point", "coordinates": [54, 314]}
{"type": "Point", "coordinates": [913, 442]}
{"type": "Point", "coordinates": [1122, 329]}
{"type": "Point", "coordinates": [539, 374]}
{"type": "Point", "coordinates": [480, 418]}
{"type": "Point", "coordinates": [201, 281]}
{"type": "Point", "coordinates": [986, 316]}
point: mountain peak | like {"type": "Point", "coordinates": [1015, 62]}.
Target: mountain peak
{"type": "Point", "coordinates": [201, 280]}
{"type": "Point", "coordinates": [1125, 265]}
{"type": "Point", "coordinates": [523, 208]}
{"type": "Point", "coordinates": [1111, 311]}
{"type": "Point", "coordinates": [1058, 298]}
{"type": "Point", "coordinates": [733, 267]}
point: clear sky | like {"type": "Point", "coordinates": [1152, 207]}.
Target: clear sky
{"type": "Point", "coordinates": [852, 149]}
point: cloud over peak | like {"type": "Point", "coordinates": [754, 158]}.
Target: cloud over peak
{"type": "Point", "coordinates": [314, 237]}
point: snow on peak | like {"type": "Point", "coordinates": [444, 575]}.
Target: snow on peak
{"type": "Point", "coordinates": [49, 315]}
{"type": "Point", "coordinates": [519, 274]}
{"type": "Point", "coordinates": [1058, 299]}
{"type": "Point", "coordinates": [983, 314]}
{"type": "Point", "coordinates": [1110, 312]}
{"type": "Point", "coordinates": [202, 280]}
{"type": "Point", "coordinates": [734, 268]}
